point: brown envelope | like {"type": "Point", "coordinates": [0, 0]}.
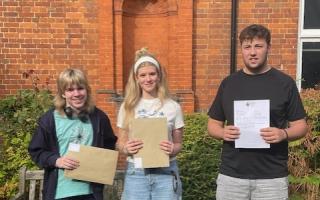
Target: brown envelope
{"type": "Point", "coordinates": [151, 131]}
{"type": "Point", "coordinates": [96, 164]}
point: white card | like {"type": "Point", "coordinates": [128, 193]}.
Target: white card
{"type": "Point", "coordinates": [137, 162]}
{"type": "Point", "coordinates": [74, 147]}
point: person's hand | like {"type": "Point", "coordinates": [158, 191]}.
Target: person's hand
{"type": "Point", "coordinates": [230, 133]}
{"type": "Point", "coordinates": [167, 147]}
{"type": "Point", "coordinates": [273, 135]}
{"type": "Point", "coordinates": [67, 163]}
{"type": "Point", "coordinates": [132, 146]}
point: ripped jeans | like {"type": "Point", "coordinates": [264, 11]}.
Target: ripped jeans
{"type": "Point", "coordinates": [152, 184]}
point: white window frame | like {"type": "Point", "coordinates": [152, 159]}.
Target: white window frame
{"type": "Point", "coordinates": [304, 35]}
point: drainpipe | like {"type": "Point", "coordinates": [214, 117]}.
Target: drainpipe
{"type": "Point", "coordinates": [233, 57]}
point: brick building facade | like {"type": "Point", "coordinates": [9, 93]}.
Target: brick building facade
{"type": "Point", "coordinates": [191, 38]}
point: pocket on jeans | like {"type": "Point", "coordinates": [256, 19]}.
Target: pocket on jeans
{"type": "Point", "coordinates": [130, 169]}
{"type": "Point", "coordinates": [130, 172]}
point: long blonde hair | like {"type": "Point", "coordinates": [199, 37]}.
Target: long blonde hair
{"type": "Point", "coordinates": [133, 91]}
{"type": "Point", "coordinates": [67, 78]}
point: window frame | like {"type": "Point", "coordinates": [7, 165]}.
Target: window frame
{"type": "Point", "coordinates": [304, 35]}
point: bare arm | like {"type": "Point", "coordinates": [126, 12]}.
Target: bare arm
{"type": "Point", "coordinates": [297, 129]}
{"type": "Point", "coordinates": [127, 146]}
{"type": "Point", "coordinates": [174, 147]}
{"type": "Point", "coordinates": [177, 141]}
{"type": "Point", "coordinates": [217, 130]}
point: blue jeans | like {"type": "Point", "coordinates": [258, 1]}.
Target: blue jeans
{"type": "Point", "coordinates": [152, 184]}
{"type": "Point", "coordinates": [230, 188]}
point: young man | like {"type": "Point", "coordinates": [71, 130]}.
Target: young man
{"type": "Point", "coordinates": [256, 173]}
{"type": "Point", "coordinates": [74, 119]}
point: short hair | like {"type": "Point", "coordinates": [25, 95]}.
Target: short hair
{"type": "Point", "coordinates": [67, 78]}
{"type": "Point", "coordinates": [255, 31]}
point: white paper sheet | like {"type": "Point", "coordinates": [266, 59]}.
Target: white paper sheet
{"type": "Point", "coordinates": [137, 162]}
{"type": "Point", "coordinates": [74, 147]}
{"type": "Point", "coordinates": [250, 116]}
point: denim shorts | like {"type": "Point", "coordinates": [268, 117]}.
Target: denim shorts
{"type": "Point", "coordinates": [230, 188]}
{"type": "Point", "coordinates": [152, 184]}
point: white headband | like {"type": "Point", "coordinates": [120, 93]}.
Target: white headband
{"type": "Point", "coordinates": [145, 59]}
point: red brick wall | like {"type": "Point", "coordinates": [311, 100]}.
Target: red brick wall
{"type": "Point", "coordinates": [211, 43]}
{"type": "Point", "coordinates": [48, 36]}
{"type": "Point", "coordinates": [165, 27]}
{"type": "Point", "coordinates": [190, 37]}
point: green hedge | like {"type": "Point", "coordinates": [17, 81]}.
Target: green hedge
{"type": "Point", "coordinates": [199, 159]}
{"type": "Point", "coordinates": [19, 114]}
{"type": "Point", "coordinates": [304, 154]}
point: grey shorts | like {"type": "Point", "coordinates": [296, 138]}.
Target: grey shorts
{"type": "Point", "coordinates": [230, 188]}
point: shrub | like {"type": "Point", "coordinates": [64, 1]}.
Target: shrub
{"type": "Point", "coordinates": [19, 114]}
{"type": "Point", "coordinates": [199, 159]}
{"type": "Point", "coordinates": [304, 154]}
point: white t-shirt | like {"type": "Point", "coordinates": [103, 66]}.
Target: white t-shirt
{"type": "Point", "coordinates": [151, 108]}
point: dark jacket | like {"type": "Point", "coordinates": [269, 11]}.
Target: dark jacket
{"type": "Point", "coordinates": [44, 149]}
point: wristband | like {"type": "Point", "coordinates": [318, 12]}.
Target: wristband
{"type": "Point", "coordinates": [286, 132]}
